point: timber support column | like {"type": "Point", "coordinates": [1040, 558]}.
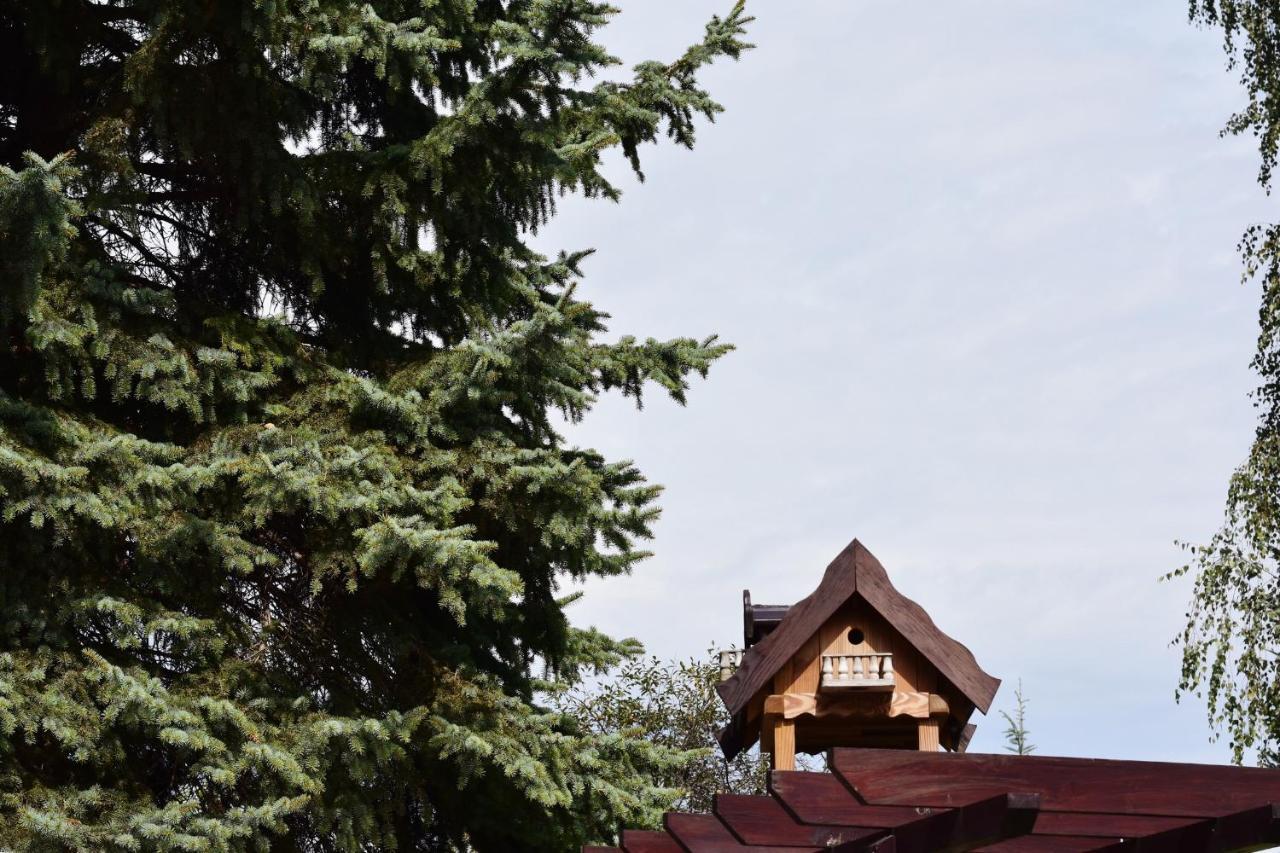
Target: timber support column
{"type": "Point", "coordinates": [784, 744]}
{"type": "Point", "coordinates": [930, 730]}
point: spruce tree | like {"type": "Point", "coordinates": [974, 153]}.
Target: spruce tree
{"type": "Point", "coordinates": [1017, 737]}
{"type": "Point", "coordinates": [284, 512]}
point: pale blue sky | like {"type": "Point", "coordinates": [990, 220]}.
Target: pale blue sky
{"type": "Point", "coordinates": [978, 259]}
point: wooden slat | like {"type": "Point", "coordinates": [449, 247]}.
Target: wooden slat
{"type": "Point", "coordinates": [647, 841]}
{"type": "Point", "coordinates": [700, 833]}
{"type": "Point", "coordinates": [763, 821]}
{"type": "Point", "coordinates": [821, 798]}
{"type": "Point", "coordinates": [940, 780]}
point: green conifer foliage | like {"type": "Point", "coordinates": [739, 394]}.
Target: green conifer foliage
{"type": "Point", "coordinates": [283, 512]}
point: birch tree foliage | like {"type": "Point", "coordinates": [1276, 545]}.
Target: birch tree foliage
{"type": "Point", "coordinates": [1231, 641]}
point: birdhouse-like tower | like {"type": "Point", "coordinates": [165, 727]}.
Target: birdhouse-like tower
{"type": "Point", "coordinates": [855, 664]}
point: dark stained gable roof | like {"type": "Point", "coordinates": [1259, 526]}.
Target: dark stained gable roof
{"type": "Point", "coordinates": [903, 801]}
{"type": "Point", "coordinates": [855, 570]}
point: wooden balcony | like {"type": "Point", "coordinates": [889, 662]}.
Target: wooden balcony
{"type": "Point", "coordinates": [857, 671]}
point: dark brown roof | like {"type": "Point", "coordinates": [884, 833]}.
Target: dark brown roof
{"type": "Point", "coordinates": [900, 801]}
{"type": "Point", "coordinates": [854, 571]}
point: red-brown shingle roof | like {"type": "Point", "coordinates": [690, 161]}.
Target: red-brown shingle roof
{"type": "Point", "coordinates": [899, 801]}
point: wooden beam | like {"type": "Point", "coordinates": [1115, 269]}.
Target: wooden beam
{"type": "Point", "coordinates": [868, 706]}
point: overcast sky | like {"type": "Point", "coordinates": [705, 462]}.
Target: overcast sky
{"type": "Point", "coordinates": [978, 258]}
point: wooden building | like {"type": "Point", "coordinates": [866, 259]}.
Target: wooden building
{"type": "Point", "coordinates": [860, 673]}
{"type": "Point", "coordinates": [854, 664]}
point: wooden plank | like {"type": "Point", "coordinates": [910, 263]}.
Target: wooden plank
{"type": "Point", "coordinates": [939, 780]}
{"type": "Point", "coordinates": [763, 821]}
{"type": "Point", "coordinates": [647, 841]}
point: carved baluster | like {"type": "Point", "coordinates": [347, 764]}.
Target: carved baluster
{"type": "Point", "coordinates": [843, 672]}
{"type": "Point", "coordinates": [887, 673]}
{"type": "Point", "coordinates": [826, 668]}
{"type": "Point", "coordinates": [857, 668]}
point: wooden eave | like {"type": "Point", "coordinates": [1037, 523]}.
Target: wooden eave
{"type": "Point", "coordinates": [854, 572]}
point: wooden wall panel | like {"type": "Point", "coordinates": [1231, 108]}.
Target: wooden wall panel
{"type": "Point", "coordinates": [806, 667]}
{"type": "Point", "coordinates": [782, 681]}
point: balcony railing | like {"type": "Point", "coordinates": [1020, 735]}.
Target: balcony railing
{"type": "Point", "coordinates": [867, 670]}
{"type": "Point", "coordinates": [730, 660]}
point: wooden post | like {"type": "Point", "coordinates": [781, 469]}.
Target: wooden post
{"type": "Point", "coordinates": [784, 744]}
{"type": "Point", "coordinates": [929, 734]}
{"type": "Point", "coordinates": [783, 756]}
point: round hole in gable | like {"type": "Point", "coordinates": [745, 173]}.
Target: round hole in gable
{"type": "Point", "coordinates": [856, 636]}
